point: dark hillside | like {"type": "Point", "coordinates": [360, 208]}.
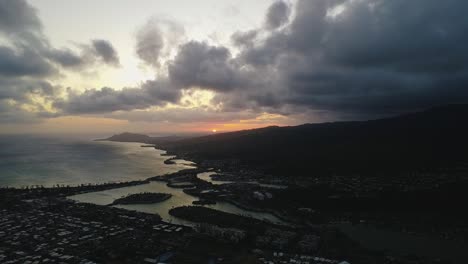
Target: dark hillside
{"type": "Point", "coordinates": [423, 140]}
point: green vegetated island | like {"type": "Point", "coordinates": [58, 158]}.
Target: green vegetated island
{"type": "Point", "coordinates": [200, 214]}
{"type": "Point", "coordinates": [143, 198]}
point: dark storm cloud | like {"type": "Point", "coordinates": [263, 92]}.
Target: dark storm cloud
{"type": "Point", "coordinates": [384, 56]}
{"type": "Point", "coordinates": [277, 15]}
{"type": "Point", "coordinates": [150, 93]}
{"type": "Point", "coordinates": [343, 58]}
{"type": "Point", "coordinates": [401, 35]}
{"type": "Point", "coordinates": [23, 62]}
{"type": "Point", "coordinates": [18, 16]}
{"type": "Point", "coordinates": [21, 52]}
{"type": "Point", "coordinates": [358, 59]}
{"type": "Point", "coordinates": [199, 64]}
{"type": "Point", "coordinates": [369, 57]}
{"type": "Point", "coordinates": [106, 52]}
{"type": "Point", "coordinates": [266, 53]}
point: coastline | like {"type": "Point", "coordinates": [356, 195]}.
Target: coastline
{"type": "Point", "coordinates": [172, 180]}
{"type": "Point", "coordinates": [58, 195]}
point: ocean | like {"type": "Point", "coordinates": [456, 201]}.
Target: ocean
{"type": "Point", "coordinates": [48, 161]}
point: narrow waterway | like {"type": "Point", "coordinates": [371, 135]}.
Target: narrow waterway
{"type": "Point", "coordinates": [179, 198]}
{"type": "Point", "coordinates": [206, 176]}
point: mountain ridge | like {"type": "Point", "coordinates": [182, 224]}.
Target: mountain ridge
{"type": "Point", "coordinates": [431, 138]}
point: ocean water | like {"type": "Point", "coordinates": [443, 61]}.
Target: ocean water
{"type": "Point", "coordinates": [47, 161]}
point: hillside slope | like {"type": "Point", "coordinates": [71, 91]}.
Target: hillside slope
{"type": "Point", "coordinates": [429, 139]}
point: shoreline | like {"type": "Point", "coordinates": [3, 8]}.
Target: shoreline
{"type": "Point", "coordinates": [67, 191]}
{"type": "Point", "coordinates": [89, 187]}
{"type": "Point", "coordinates": [64, 191]}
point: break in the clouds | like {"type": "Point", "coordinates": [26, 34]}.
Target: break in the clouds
{"type": "Point", "coordinates": [346, 58]}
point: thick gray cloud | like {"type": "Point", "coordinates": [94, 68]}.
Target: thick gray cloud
{"type": "Point", "coordinates": [359, 58]}
{"type": "Point", "coordinates": [196, 64]}
{"type": "Point", "coordinates": [17, 16]}
{"type": "Point", "coordinates": [106, 52]}
{"type": "Point", "coordinates": [156, 39]}
{"type": "Point", "coordinates": [22, 30]}
{"type": "Point", "coordinates": [243, 39]}
{"type": "Point", "coordinates": [28, 61]}
{"type": "Point", "coordinates": [23, 62]}
{"type": "Point", "coordinates": [199, 64]}
{"type": "Point", "coordinates": [150, 93]}
{"type": "Point", "coordinates": [150, 44]}
{"type": "Point", "coordinates": [340, 58]}
{"type": "Point", "coordinates": [380, 56]}
{"type": "Point", "coordinates": [23, 65]}
{"type": "Point", "coordinates": [22, 90]}
{"type": "Point", "coordinates": [400, 35]}
{"type": "Point", "coordinates": [277, 15]}
{"type": "Point", "coordinates": [15, 93]}
{"type": "Point", "coordinates": [97, 51]}
{"type": "Point", "coordinates": [21, 52]}
{"type": "Point", "coordinates": [66, 58]}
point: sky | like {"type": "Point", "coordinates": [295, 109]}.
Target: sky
{"type": "Point", "coordinates": [185, 66]}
